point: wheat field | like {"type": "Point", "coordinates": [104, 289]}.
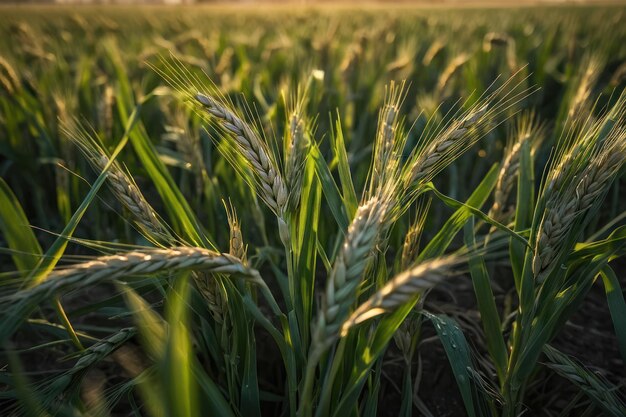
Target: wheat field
{"type": "Point", "coordinates": [312, 211]}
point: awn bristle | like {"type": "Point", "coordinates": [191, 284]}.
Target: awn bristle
{"type": "Point", "coordinates": [401, 289]}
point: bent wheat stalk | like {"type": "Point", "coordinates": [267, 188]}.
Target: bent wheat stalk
{"type": "Point", "coordinates": [121, 185]}
{"type": "Point", "coordinates": [139, 262]}
{"type": "Point", "coordinates": [109, 268]}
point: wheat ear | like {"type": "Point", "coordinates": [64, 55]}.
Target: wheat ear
{"type": "Point", "coordinates": [139, 262]}
{"type": "Point", "coordinates": [411, 245]}
{"type": "Point", "coordinates": [389, 143]}
{"type": "Point", "coordinates": [587, 182]}
{"type": "Point", "coordinates": [348, 268]}
{"type": "Point", "coordinates": [401, 289]}
{"type": "Point", "coordinates": [121, 185]}
{"type": "Point", "coordinates": [272, 187]}
{"type": "Point", "coordinates": [127, 193]}
{"type": "Point", "coordinates": [437, 155]}
{"type": "Point", "coordinates": [295, 156]}
{"type": "Point", "coordinates": [527, 130]}
{"type": "Point", "coordinates": [108, 268]}
{"type": "Point", "coordinates": [210, 287]}
{"type": "Point", "coordinates": [594, 386]}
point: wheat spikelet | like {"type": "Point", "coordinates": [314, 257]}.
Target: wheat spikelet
{"type": "Point", "coordinates": [560, 217]}
{"type": "Point", "coordinates": [68, 382]}
{"type": "Point", "coordinates": [554, 227]}
{"type": "Point", "coordinates": [127, 192]}
{"type": "Point", "coordinates": [269, 182]}
{"type": "Point", "coordinates": [433, 50]}
{"type": "Point", "coordinates": [105, 110]}
{"type": "Point", "coordinates": [438, 146]}
{"type": "Point", "coordinates": [101, 349]}
{"type": "Point", "coordinates": [211, 290]}
{"type": "Point", "coordinates": [406, 334]}
{"type": "Point", "coordinates": [492, 39]}
{"type": "Point", "coordinates": [108, 268]}
{"type": "Point", "coordinates": [210, 287]}
{"type": "Point", "coordinates": [618, 76]}
{"type": "Point", "coordinates": [453, 67]}
{"type": "Point", "coordinates": [411, 245]}
{"type": "Point", "coordinates": [8, 76]}
{"type": "Point", "coordinates": [401, 289]}
{"type": "Point", "coordinates": [237, 246]}
{"type": "Point", "coordinates": [591, 69]}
